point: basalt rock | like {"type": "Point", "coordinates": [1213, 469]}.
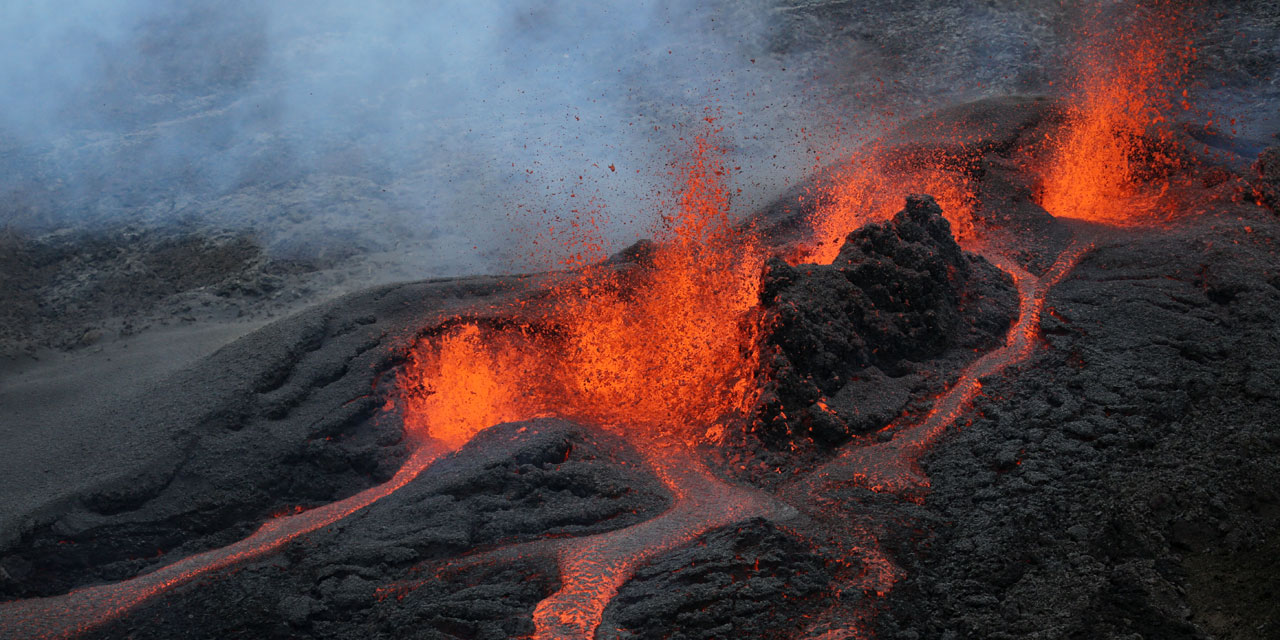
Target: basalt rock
{"type": "Point", "coordinates": [898, 294]}
{"type": "Point", "coordinates": [393, 569]}
{"type": "Point", "coordinates": [1267, 182]}
{"type": "Point", "coordinates": [748, 581]}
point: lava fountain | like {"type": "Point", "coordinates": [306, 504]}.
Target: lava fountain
{"type": "Point", "coordinates": [665, 351]}
{"type": "Point", "coordinates": [870, 186]}
{"type": "Point", "coordinates": [1106, 163]}
{"type": "Point", "coordinates": [662, 352]}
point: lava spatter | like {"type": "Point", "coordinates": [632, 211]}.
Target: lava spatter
{"type": "Point", "coordinates": [663, 350]}
{"type": "Point", "coordinates": [869, 187]}
{"type": "Point", "coordinates": [1116, 135]}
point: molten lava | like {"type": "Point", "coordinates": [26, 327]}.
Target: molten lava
{"type": "Point", "coordinates": [465, 380]}
{"type": "Point", "coordinates": [869, 189]}
{"type": "Point", "coordinates": [1113, 143]}
{"type": "Point", "coordinates": [594, 567]}
{"type": "Point", "coordinates": [667, 347]}
{"type": "Point", "coordinates": [84, 609]}
{"type": "Point", "coordinates": [662, 352]}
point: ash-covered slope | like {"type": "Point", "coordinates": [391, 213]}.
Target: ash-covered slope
{"type": "Point", "coordinates": [899, 295]}
{"type": "Point", "coordinates": [287, 416]}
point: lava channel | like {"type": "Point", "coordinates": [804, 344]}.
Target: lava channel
{"type": "Point", "coordinates": [592, 568]}
{"type": "Point", "coordinates": [82, 610]}
{"type": "Point", "coordinates": [891, 467]}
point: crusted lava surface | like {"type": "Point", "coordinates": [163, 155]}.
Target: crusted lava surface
{"type": "Point", "coordinates": [387, 571]}
{"type": "Point", "coordinates": [287, 417]}
{"type": "Point", "coordinates": [1123, 483]}
{"type": "Point", "coordinates": [898, 299]}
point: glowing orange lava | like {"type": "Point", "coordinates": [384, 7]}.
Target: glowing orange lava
{"type": "Point", "coordinates": [662, 352]}
{"type": "Point", "coordinates": [594, 567]}
{"type": "Point", "coordinates": [465, 380]}
{"type": "Point", "coordinates": [666, 351]}
{"type": "Point", "coordinates": [1116, 138]}
{"type": "Point", "coordinates": [868, 188]}
{"type": "Point", "coordinates": [667, 348]}
{"type": "Point", "coordinates": [893, 466]}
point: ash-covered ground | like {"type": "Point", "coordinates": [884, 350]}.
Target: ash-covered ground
{"type": "Point", "coordinates": [166, 389]}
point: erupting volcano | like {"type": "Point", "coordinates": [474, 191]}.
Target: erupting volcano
{"type": "Point", "coordinates": [828, 420]}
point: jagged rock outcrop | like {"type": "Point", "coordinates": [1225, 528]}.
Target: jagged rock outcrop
{"type": "Point", "coordinates": [900, 293]}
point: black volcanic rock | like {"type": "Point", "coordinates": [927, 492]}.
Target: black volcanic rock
{"type": "Point", "coordinates": [899, 293]}
{"type": "Point", "coordinates": [748, 581]}
{"type": "Point", "coordinates": [1267, 182]}
{"type": "Point", "coordinates": [281, 418]}
{"type": "Point", "coordinates": [392, 569]}
{"type": "Point", "coordinates": [1122, 484]}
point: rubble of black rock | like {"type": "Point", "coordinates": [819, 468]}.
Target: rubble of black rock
{"type": "Point", "coordinates": [900, 294]}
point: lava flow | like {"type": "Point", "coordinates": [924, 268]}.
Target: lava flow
{"type": "Point", "coordinates": [891, 466]}
{"type": "Point", "coordinates": [662, 354]}
{"type": "Point", "coordinates": [84, 609]}
{"type": "Point", "coordinates": [594, 567]}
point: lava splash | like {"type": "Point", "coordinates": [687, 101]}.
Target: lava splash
{"type": "Point", "coordinates": [666, 349]}
{"type": "Point", "coordinates": [1110, 161]}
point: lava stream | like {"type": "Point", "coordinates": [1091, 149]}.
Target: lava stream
{"type": "Point", "coordinates": [891, 466]}
{"type": "Point", "coordinates": [594, 567]}
{"type": "Point", "coordinates": [84, 609]}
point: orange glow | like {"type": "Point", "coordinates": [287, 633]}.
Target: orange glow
{"type": "Point", "coordinates": [465, 380]}
{"type": "Point", "coordinates": [668, 348]}
{"type": "Point", "coordinates": [869, 189]}
{"type": "Point", "coordinates": [592, 568]}
{"type": "Point", "coordinates": [672, 347]}
{"type": "Point", "coordinates": [661, 352]}
{"type": "Point", "coordinates": [82, 610]}
{"type": "Point", "coordinates": [891, 466]}
{"type": "Point", "coordinates": [1113, 140]}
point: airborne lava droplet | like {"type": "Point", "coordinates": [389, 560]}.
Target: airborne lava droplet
{"type": "Point", "coordinates": [661, 350]}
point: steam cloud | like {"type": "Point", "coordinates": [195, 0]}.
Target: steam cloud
{"type": "Point", "coordinates": [380, 124]}
{"type": "Point", "coordinates": [442, 133]}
